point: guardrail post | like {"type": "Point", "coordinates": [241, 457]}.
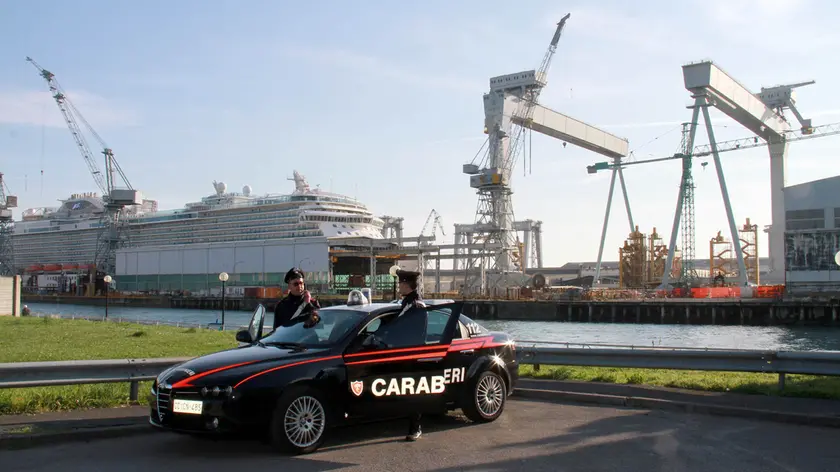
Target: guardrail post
{"type": "Point", "coordinates": [133, 391]}
{"type": "Point", "coordinates": [781, 381]}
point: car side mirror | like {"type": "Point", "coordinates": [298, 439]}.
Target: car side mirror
{"type": "Point", "coordinates": [369, 340]}
{"type": "Point", "coordinates": [244, 336]}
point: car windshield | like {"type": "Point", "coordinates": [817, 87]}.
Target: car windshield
{"type": "Point", "coordinates": [333, 325]}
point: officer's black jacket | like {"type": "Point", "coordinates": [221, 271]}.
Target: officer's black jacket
{"type": "Point", "coordinates": [288, 305]}
{"type": "Point", "coordinates": [412, 298]}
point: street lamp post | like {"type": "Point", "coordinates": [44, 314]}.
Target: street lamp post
{"type": "Point", "coordinates": [393, 271]}
{"type": "Point", "coordinates": [223, 277]}
{"type": "Point", "coordinates": [107, 279]}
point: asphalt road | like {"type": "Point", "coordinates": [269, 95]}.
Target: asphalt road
{"type": "Point", "coordinates": [530, 436]}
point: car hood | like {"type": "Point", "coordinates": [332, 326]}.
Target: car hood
{"type": "Point", "coordinates": [232, 365]}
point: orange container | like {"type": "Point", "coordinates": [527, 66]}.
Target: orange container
{"type": "Point", "coordinates": [272, 292]}
{"type": "Point", "coordinates": [700, 292]}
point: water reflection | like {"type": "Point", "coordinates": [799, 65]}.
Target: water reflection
{"type": "Point", "coordinates": [727, 337]}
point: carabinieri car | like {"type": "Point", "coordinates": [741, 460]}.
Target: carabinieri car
{"type": "Point", "coordinates": [361, 361]}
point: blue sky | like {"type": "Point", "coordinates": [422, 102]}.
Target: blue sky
{"type": "Point", "coordinates": [383, 101]}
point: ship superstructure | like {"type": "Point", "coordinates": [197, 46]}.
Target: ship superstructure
{"type": "Point", "coordinates": [65, 238]}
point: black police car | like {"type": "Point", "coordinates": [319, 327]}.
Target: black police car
{"type": "Point", "coordinates": [361, 361]}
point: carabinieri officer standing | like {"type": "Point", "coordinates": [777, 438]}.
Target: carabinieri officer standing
{"type": "Point", "coordinates": [411, 299]}
{"type": "Point", "coordinates": [299, 302]}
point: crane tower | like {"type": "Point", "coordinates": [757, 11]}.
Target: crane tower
{"type": "Point", "coordinates": [510, 108]}
{"type": "Point", "coordinates": [113, 232]}
{"type": "Point", "coordinates": [510, 95]}
{"type": "Point", "coordinates": [7, 202]}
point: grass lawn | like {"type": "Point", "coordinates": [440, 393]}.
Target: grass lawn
{"type": "Point", "coordinates": [49, 339]}
{"type": "Point", "coordinates": [810, 386]}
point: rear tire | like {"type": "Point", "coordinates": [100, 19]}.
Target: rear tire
{"type": "Point", "coordinates": [485, 399]}
{"type": "Point", "coordinates": [299, 421]}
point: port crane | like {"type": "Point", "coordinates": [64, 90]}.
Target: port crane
{"type": "Point", "coordinates": [510, 108]}
{"type": "Point", "coordinates": [7, 253]}
{"type": "Point", "coordinates": [776, 99]}
{"type": "Point", "coordinates": [436, 225]}
{"type": "Point", "coordinates": [113, 232]}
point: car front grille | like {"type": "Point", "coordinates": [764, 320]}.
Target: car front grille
{"type": "Point", "coordinates": [164, 396]}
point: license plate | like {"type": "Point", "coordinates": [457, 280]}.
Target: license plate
{"type": "Point", "coordinates": [190, 407]}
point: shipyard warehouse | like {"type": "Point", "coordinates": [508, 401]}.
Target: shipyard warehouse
{"type": "Point", "coordinates": [812, 235]}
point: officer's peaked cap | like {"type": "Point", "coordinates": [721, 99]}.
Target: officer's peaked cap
{"type": "Point", "coordinates": [407, 276]}
{"type": "Point", "coordinates": [292, 274]}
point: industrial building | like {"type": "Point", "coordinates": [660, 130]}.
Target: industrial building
{"type": "Point", "coordinates": [331, 265]}
{"type": "Point", "coordinates": [812, 235]}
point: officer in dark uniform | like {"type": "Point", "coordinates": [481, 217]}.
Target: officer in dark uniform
{"type": "Point", "coordinates": [411, 298]}
{"type": "Point", "coordinates": [299, 302]}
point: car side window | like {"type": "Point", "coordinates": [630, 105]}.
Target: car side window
{"type": "Point", "coordinates": [436, 324]}
{"type": "Point", "coordinates": [409, 329]}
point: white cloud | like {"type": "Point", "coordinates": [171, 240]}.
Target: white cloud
{"type": "Point", "coordinates": [26, 107]}
{"type": "Point", "coordinates": [751, 11]}
{"type": "Point", "coordinates": [771, 25]}
{"type": "Point", "coordinates": [377, 68]}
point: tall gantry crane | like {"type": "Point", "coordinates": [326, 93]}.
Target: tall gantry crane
{"type": "Point", "coordinates": [510, 108]}
{"type": "Point", "coordinates": [687, 182]}
{"type": "Point", "coordinates": [113, 232]}
{"type": "Point", "coordinates": [7, 253]}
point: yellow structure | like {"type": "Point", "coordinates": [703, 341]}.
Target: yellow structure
{"type": "Point", "coordinates": [748, 234]}
{"type": "Point", "coordinates": [657, 254]}
{"type": "Point", "coordinates": [632, 259]}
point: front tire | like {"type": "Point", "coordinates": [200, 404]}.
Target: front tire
{"type": "Point", "coordinates": [486, 398]}
{"type": "Point", "coordinates": [299, 421]}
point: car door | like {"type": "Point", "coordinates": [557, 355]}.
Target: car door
{"type": "Point", "coordinates": [255, 326]}
{"type": "Point", "coordinates": [401, 371]}
{"type": "Point", "coordinates": [443, 322]}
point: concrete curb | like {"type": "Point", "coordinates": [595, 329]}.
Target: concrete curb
{"type": "Point", "coordinates": [85, 432]}
{"type": "Point", "coordinates": [680, 406]}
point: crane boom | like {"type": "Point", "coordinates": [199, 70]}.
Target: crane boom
{"type": "Point", "coordinates": [529, 102]}
{"type": "Point", "coordinates": [732, 145]}
{"type": "Point", "coordinates": [67, 112]}
{"type": "Point", "coordinates": [113, 232]}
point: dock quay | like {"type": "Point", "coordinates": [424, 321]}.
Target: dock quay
{"type": "Point", "coordinates": [746, 312]}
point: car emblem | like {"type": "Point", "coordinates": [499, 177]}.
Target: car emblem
{"type": "Point", "coordinates": [357, 386]}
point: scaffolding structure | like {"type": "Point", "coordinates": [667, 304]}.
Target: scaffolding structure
{"type": "Point", "coordinates": [632, 257]}
{"type": "Point", "coordinates": [721, 260]}
{"type": "Point", "coordinates": [749, 246]}
{"type": "Point", "coordinates": [657, 255]}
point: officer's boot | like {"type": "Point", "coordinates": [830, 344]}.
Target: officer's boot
{"type": "Point", "coordinates": [414, 431]}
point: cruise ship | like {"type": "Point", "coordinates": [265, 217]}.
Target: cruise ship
{"type": "Point", "coordinates": [63, 239]}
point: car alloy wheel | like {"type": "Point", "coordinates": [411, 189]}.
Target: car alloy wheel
{"type": "Point", "coordinates": [304, 421]}
{"type": "Point", "coordinates": [484, 400]}
{"type": "Point", "coordinates": [489, 395]}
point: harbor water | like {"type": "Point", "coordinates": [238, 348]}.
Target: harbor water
{"type": "Point", "coordinates": [796, 338]}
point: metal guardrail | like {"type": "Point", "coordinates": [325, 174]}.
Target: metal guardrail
{"type": "Point", "coordinates": [43, 374]}
{"type": "Point", "coordinates": [721, 360]}
{"type": "Point", "coordinates": [56, 373]}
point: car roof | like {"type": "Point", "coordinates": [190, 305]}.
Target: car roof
{"type": "Point", "coordinates": [381, 306]}
{"type": "Point", "coordinates": [431, 301]}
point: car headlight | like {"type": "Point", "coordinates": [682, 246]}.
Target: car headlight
{"type": "Point", "coordinates": [217, 391]}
